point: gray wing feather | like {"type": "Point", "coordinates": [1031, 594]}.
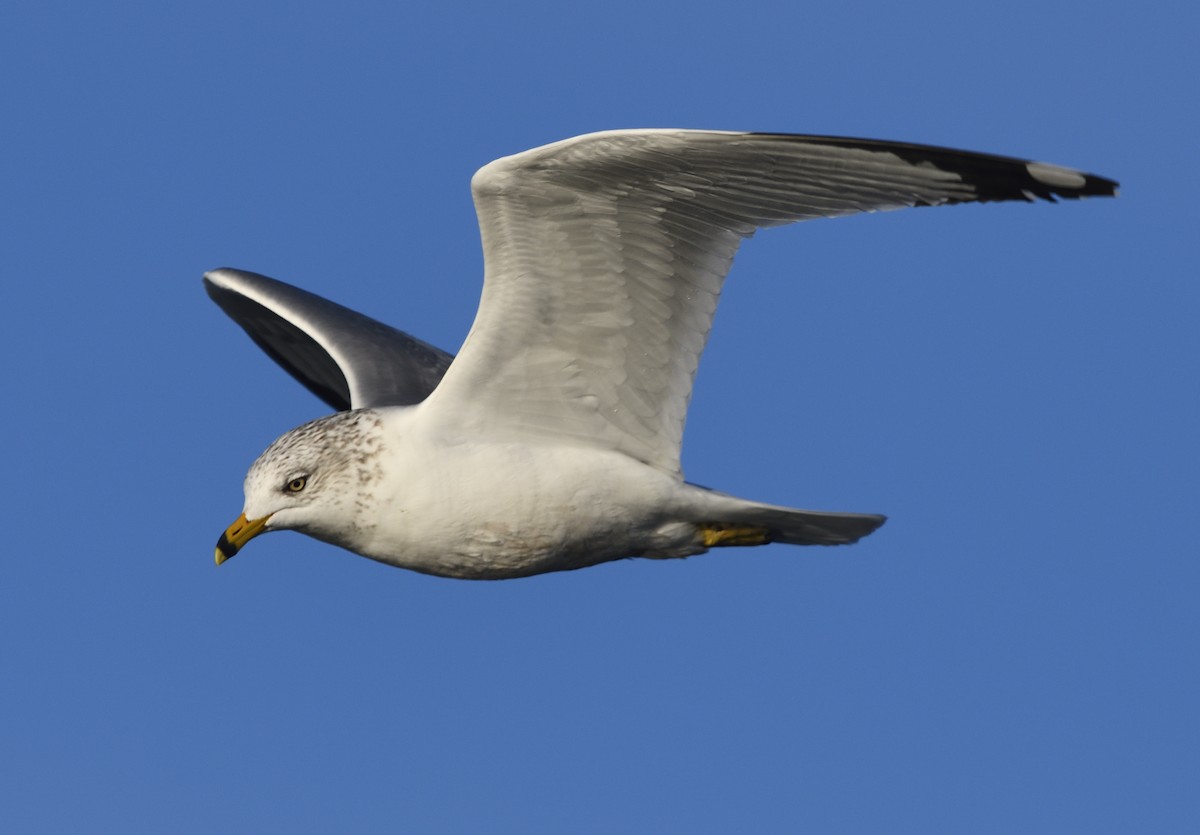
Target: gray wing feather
{"type": "Point", "coordinates": [605, 255]}
{"type": "Point", "coordinates": [345, 358]}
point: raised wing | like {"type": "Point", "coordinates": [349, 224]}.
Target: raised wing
{"type": "Point", "coordinates": [346, 359]}
{"type": "Point", "coordinates": [605, 255]}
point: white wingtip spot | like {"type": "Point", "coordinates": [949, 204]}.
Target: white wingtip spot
{"type": "Point", "coordinates": [1055, 175]}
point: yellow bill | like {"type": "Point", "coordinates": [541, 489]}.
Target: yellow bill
{"type": "Point", "coordinates": [237, 535]}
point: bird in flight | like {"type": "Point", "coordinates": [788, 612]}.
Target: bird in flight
{"type": "Point", "coordinates": [552, 441]}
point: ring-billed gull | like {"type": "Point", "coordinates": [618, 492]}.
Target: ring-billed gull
{"type": "Point", "coordinates": [552, 441]}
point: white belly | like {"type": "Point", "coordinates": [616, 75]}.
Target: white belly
{"type": "Point", "coordinates": [507, 510]}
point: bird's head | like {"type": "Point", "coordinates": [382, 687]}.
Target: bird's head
{"type": "Point", "coordinates": [311, 480]}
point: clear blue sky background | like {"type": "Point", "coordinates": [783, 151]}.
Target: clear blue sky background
{"type": "Point", "coordinates": [1015, 385]}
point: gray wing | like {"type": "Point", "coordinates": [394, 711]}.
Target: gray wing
{"type": "Point", "coordinates": [345, 358]}
{"type": "Point", "coordinates": [605, 255]}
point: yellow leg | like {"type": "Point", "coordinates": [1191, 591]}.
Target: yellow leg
{"type": "Point", "coordinates": [717, 535]}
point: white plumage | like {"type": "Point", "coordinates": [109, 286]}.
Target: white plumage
{"type": "Point", "coordinates": [553, 440]}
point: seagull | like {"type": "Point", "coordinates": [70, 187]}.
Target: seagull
{"type": "Point", "coordinates": [552, 441]}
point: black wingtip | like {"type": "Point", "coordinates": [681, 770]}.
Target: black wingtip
{"type": "Point", "coordinates": [992, 177]}
{"type": "Point", "coordinates": [1050, 181]}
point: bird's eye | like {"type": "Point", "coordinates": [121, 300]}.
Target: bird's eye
{"type": "Point", "coordinates": [297, 484]}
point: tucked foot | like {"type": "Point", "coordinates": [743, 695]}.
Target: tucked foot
{"type": "Point", "coordinates": [718, 534]}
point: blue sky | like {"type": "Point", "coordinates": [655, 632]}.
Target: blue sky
{"type": "Point", "coordinates": [1014, 385]}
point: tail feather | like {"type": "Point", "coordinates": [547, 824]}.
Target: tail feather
{"type": "Point", "coordinates": [810, 527]}
{"type": "Point", "coordinates": [790, 525]}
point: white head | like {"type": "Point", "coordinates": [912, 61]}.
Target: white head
{"type": "Point", "coordinates": [316, 479]}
